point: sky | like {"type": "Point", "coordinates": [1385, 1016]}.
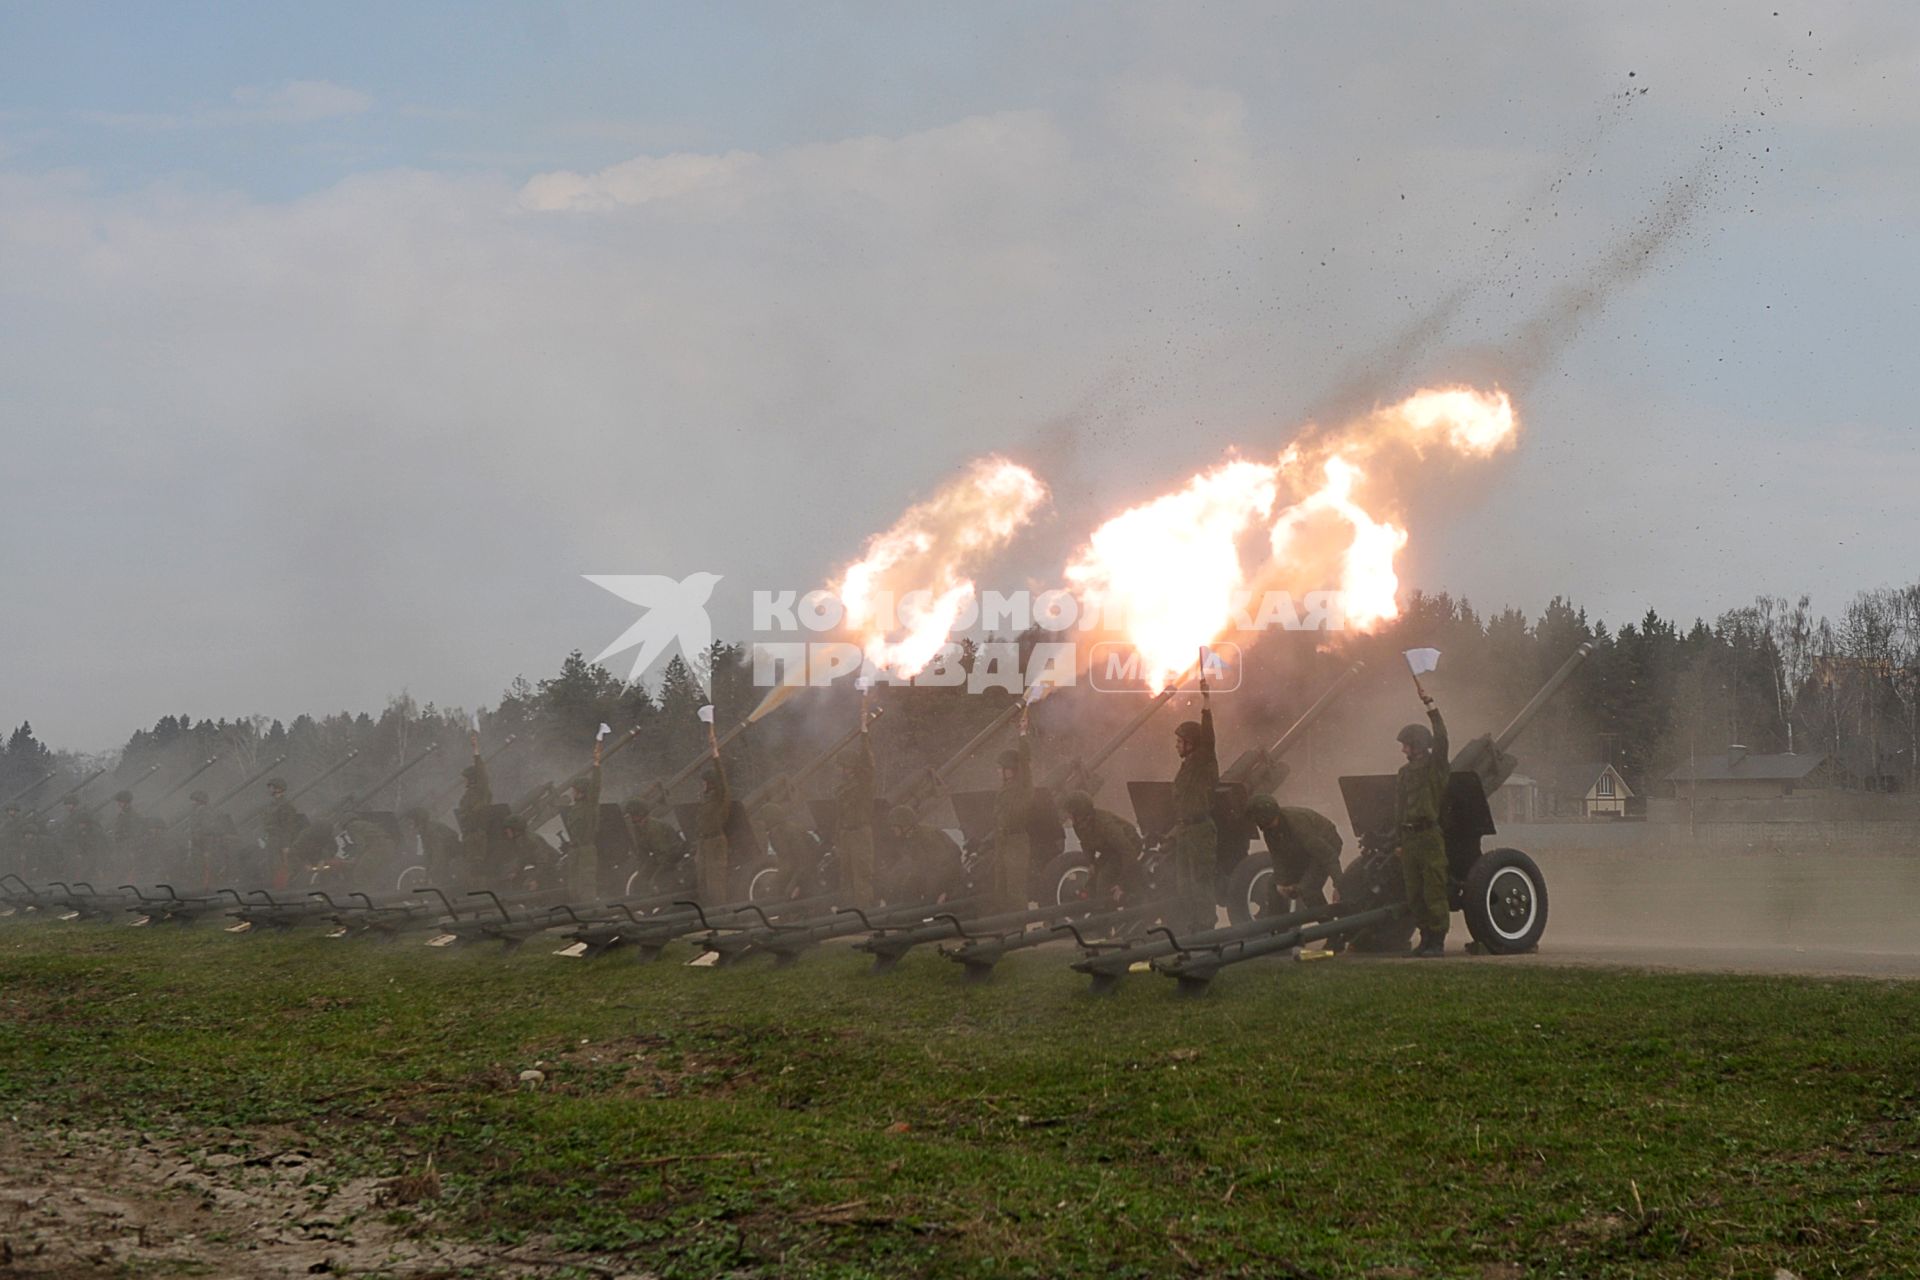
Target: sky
{"type": "Point", "coordinates": [338, 341]}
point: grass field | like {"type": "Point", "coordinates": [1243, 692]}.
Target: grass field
{"type": "Point", "coordinates": [1351, 1117]}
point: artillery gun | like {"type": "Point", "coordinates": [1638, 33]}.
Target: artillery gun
{"type": "Point", "coordinates": [1501, 892]}
{"type": "Point", "coordinates": [1242, 877]}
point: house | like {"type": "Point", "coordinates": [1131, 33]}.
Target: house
{"type": "Point", "coordinates": [1742, 775]}
{"type": "Point", "coordinates": [1585, 791]}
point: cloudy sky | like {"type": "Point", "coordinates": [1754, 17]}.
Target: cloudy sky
{"type": "Point", "coordinates": [337, 341]}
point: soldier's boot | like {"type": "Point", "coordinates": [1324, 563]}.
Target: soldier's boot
{"type": "Point", "coordinates": [1432, 945]}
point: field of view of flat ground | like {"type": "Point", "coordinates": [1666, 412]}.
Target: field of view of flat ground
{"type": "Point", "coordinates": [1625, 1102]}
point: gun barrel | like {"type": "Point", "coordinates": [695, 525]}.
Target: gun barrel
{"type": "Point", "coordinates": [919, 790]}
{"type": "Point", "coordinates": [334, 768]}
{"type": "Point", "coordinates": [766, 790]}
{"type": "Point", "coordinates": [100, 804]}
{"type": "Point", "coordinates": [387, 781]}
{"type": "Point", "coordinates": [1505, 737]}
{"type": "Point", "coordinates": [176, 788]}
{"type": "Point", "coordinates": [30, 788]}
{"type": "Point", "coordinates": [61, 799]}
{"type": "Point", "coordinates": [1314, 712]}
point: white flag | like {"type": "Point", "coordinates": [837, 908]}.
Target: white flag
{"type": "Point", "coordinates": [476, 722]}
{"type": "Point", "coordinates": [605, 729]}
{"type": "Point", "coordinates": [863, 683]}
{"type": "Point", "coordinates": [1421, 661]}
{"type": "Point", "coordinates": [706, 714]}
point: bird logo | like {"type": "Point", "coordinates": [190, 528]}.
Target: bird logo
{"type": "Point", "coordinates": [676, 614]}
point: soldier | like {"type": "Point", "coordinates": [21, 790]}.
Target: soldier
{"type": "Point", "coordinates": [1305, 848]}
{"type": "Point", "coordinates": [581, 819]}
{"type": "Point", "coordinates": [930, 866]}
{"type": "Point", "coordinates": [281, 825]}
{"type": "Point", "coordinates": [1011, 875]}
{"type": "Point", "coordinates": [527, 861]}
{"type": "Point", "coordinates": [126, 833]}
{"type": "Point", "coordinates": [442, 849]}
{"type": "Point", "coordinates": [796, 849]}
{"type": "Point", "coordinates": [659, 849]}
{"type": "Point", "coordinates": [1193, 835]}
{"type": "Point", "coordinates": [853, 820]}
{"type": "Point", "coordinates": [716, 805]}
{"type": "Point", "coordinates": [210, 840]}
{"type": "Point", "coordinates": [78, 839]}
{"type": "Point", "coordinates": [1416, 823]}
{"type": "Point", "coordinates": [1111, 843]}
{"type": "Point", "coordinates": [19, 840]}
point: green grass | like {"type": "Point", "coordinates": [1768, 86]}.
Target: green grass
{"type": "Point", "coordinates": [1464, 1118]}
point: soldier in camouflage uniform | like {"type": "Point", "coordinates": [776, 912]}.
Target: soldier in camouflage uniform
{"type": "Point", "coordinates": [281, 825]}
{"type": "Point", "coordinates": [127, 833]}
{"type": "Point", "coordinates": [658, 847]}
{"type": "Point", "coordinates": [1193, 838]}
{"type": "Point", "coordinates": [853, 821]}
{"type": "Point", "coordinates": [19, 840]}
{"type": "Point", "coordinates": [442, 850]}
{"type": "Point", "coordinates": [795, 849]}
{"type": "Point", "coordinates": [1417, 812]}
{"type": "Point", "coordinates": [469, 814]}
{"type": "Point", "coordinates": [1110, 843]}
{"type": "Point", "coordinates": [210, 840]}
{"type": "Point", "coordinates": [929, 866]}
{"type": "Point", "coordinates": [78, 839]}
{"type": "Point", "coordinates": [581, 818]}
{"type": "Point", "coordinates": [1305, 848]}
{"type": "Point", "coordinates": [1012, 877]}
{"type": "Point", "coordinates": [716, 804]}
{"type": "Point", "coordinates": [526, 860]}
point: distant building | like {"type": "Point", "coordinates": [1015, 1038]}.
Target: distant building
{"type": "Point", "coordinates": [1586, 791]}
{"type": "Point", "coordinates": [1742, 775]}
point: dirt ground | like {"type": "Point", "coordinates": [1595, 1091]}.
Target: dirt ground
{"type": "Point", "coordinates": [93, 1204]}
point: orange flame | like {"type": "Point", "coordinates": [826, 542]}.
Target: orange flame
{"type": "Point", "coordinates": [1165, 573]}
{"type": "Point", "coordinates": [905, 594]}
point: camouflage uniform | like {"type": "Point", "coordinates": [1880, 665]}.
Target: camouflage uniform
{"type": "Point", "coordinates": [658, 847]}
{"type": "Point", "coordinates": [19, 842]}
{"type": "Point", "coordinates": [853, 824]}
{"type": "Point", "coordinates": [526, 859]}
{"type": "Point", "coordinates": [78, 839]}
{"type": "Point", "coordinates": [281, 825]}
{"type": "Point", "coordinates": [795, 848]}
{"type": "Point", "coordinates": [716, 804]}
{"type": "Point", "coordinates": [1012, 877]}
{"type": "Point", "coordinates": [929, 866]}
{"type": "Point", "coordinates": [1423, 847]}
{"type": "Point", "coordinates": [582, 822]}
{"type": "Point", "coordinates": [128, 833]}
{"type": "Point", "coordinates": [1112, 847]}
{"type": "Point", "coordinates": [469, 813]}
{"type": "Point", "coordinates": [1305, 848]}
{"type": "Point", "coordinates": [1194, 837]}
{"type": "Point", "coordinates": [210, 839]}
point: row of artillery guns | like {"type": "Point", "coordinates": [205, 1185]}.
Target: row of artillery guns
{"type": "Point", "coordinates": [1500, 890]}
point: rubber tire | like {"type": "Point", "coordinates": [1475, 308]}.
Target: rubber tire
{"type": "Point", "coordinates": [409, 879]}
{"type": "Point", "coordinates": [1066, 879]}
{"type": "Point", "coordinates": [1500, 884]}
{"type": "Point", "coordinates": [1248, 888]}
{"type": "Point", "coordinates": [761, 883]}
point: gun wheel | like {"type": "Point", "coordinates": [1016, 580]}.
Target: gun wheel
{"type": "Point", "coordinates": [1248, 888]}
{"type": "Point", "coordinates": [1506, 902]}
{"type": "Point", "coordinates": [1065, 879]}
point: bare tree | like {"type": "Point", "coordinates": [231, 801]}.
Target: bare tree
{"type": "Point", "coordinates": [1793, 632]}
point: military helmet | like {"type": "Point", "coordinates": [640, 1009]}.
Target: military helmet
{"type": "Point", "coordinates": [276, 784]}
{"type": "Point", "coordinates": [581, 784]}
{"type": "Point", "coordinates": [1189, 730]}
{"type": "Point", "coordinates": [471, 773]}
{"type": "Point", "coordinates": [772, 814]}
{"type": "Point", "coordinates": [514, 822]}
{"type": "Point", "coordinates": [197, 796]}
{"type": "Point", "coordinates": [1009, 759]}
{"type": "Point", "coordinates": [1263, 809]}
{"type": "Point", "coordinates": [1077, 804]}
{"type": "Point", "coordinates": [637, 808]}
{"type": "Point", "coordinates": [902, 816]}
{"type": "Point", "coordinates": [711, 779]}
{"type": "Point", "coordinates": [1417, 736]}
{"type": "Point", "coordinates": [123, 797]}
